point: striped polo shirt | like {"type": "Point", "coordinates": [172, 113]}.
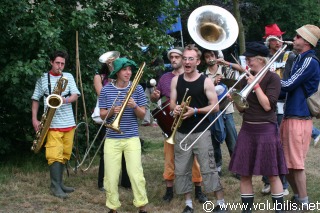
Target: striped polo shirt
{"type": "Point", "coordinates": [63, 117]}
{"type": "Point", "coordinates": [129, 121]}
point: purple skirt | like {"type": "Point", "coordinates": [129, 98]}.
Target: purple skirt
{"type": "Point", "coordinates": [258, 151]}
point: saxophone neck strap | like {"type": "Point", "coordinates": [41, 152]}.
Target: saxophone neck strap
{"type": "Point", "coordinates": [49, 82]}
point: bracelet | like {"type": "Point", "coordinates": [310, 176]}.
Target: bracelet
{"type": "Point", "coordinates": [67, 100]}
{"type": "Point", "coordinates": [230, 65]}
{"type": "Point", "coordinates": [135, 107]}
{"type": "Point", "coordinates": [195, 112]}
{"type": "Point", "coordinates": [256, 86]}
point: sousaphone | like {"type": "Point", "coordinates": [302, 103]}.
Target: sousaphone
{"type": "Point", "coordinates": [213, 27]}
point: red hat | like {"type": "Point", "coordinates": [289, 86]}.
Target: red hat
{"type": "Point", "coordinates": [272, 29]}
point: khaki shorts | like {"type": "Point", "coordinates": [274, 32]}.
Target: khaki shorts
{"type": "Point", "coordinates": [203, 150]}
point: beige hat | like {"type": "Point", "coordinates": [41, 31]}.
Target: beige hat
{"type": "Point", "coordinates": [310, 33]}
{"type": "Point", "coordinates": [178, 50]}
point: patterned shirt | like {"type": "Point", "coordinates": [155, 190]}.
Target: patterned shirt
{"type": "Point", "coordinates": [213, 78]}
{"type": "Point", "coordinates": [63, 117]}
{"type": "Point", "coordinates": [129, 121]}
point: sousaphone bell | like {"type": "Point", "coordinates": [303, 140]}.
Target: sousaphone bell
{"type": "Point", "coordinates": [213, 27]}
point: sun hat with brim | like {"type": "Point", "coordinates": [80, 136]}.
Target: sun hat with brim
{"type": "Point", "coordinates": [178, 50]}
{"type": "Point", "coordinates": [120, 63]}
{"type": "Point", "coordinates": [255, 49]}
{"type": "Point", "coordinates": [310, 33]}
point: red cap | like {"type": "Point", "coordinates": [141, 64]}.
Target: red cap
{"type": "Point", "coordinates": [272, 29]}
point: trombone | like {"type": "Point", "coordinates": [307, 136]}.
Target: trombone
{"type": "Point", "coordinates": [101, 142]}
{"type": "Point", "coordinates": [208, 113]}
{"type": "Point", "coordinates": [239, 98]}
{"type": "Point", "coordinates": [115, 125]}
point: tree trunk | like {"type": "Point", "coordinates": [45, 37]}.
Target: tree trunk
{"type": "Point", "coordinates": [241, 37]}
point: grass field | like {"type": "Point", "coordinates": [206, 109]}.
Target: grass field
{"type": "Point", "coordinates": [24, 183]}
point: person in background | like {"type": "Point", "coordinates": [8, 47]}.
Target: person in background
{"type": "Point", "coordinates": [281, 66]}
{"type": "Point", "coordinates": [296, 126]}
{"type": "Point", "coordinates": [127, 143]}
{"type": "Point", "coordinates": [158, 67]}
{"type": "Point", "coordinates": [61, 132]}
{"type": "Point", "coordinates": [258, 150]}
{"type": "Point", "coordinates": [163, 89]}
{"type": "Point", "coordinates": [203, 99]}
{"type": "Point", "coordinates": [227, 129]}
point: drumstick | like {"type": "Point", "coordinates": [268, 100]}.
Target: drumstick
{"type": "Point", "coordinates": [153, 83]}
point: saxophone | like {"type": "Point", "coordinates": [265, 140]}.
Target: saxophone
{"type": "Point", "coordinates": [54, 101]}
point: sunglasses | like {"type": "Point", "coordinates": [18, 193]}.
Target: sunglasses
{"type": "Point", "coordinates": [298, 36]}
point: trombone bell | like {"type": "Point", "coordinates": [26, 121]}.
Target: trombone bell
{"type": "Point", "coordinates": [240, 100]}
{"type": "Point", "coordinates": [213, 27]}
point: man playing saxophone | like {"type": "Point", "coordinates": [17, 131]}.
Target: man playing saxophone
{"type": "Point", "coordinates": [61, 132]}
{"type": "Point", "coordinates": [203, 95]}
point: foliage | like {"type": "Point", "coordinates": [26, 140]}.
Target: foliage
{"type": "Point", "coordinates": [289, 15]}
{"type": "Point", "coordinates": [31, 30]}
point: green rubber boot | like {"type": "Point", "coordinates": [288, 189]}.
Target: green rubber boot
{"type": "Point", "coordinates": [55, 176]}
{"type": "Point", "coordinates": [66, 189]}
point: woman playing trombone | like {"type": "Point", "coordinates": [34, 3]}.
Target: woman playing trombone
{"type": "Point", "coordinates": [258, 150]}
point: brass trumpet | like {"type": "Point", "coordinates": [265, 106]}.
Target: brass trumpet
{"type": "Point", "coordinates": [178, 119]}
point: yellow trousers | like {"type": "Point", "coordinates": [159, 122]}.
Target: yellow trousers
{"type": "Point", "coordinates": [131, 148]}
{"type": "Point", "coordinates": [59, 146]}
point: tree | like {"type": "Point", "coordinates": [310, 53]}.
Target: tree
{"type": "Point", "coordinates": [31, 30]}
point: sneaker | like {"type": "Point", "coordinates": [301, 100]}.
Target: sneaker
{"type": "Point", "coordinates": [316, 140]}
{"type": "Point", "coordinates": [202, 198]}
{"type": "Point", "coordinates": [219, 171]}
{"type": "Point", "coordinates": [102, 189]}
{"type": "Point", "coordinates": [237, 176]}
{"type": "Point", "coordinates": [188, 209]}
{"type": "Point", "coordinates": [285, 192]}
{"type": "Point", "coordinates": [167, 197]}
{"type": "Point", "coordinates": [220, 209]}
{"type": "Point", "coordinates": [266, 189]}
{"type": "Point", "coordinates": [294, 200]}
